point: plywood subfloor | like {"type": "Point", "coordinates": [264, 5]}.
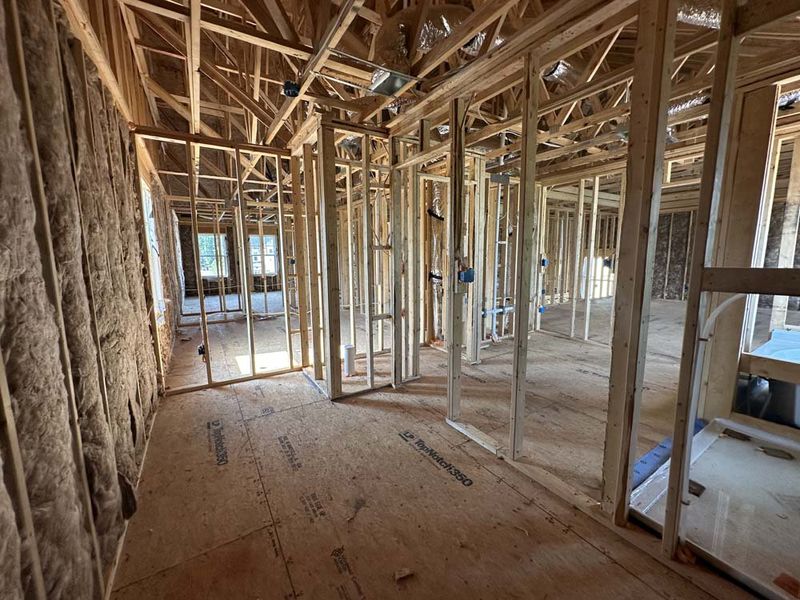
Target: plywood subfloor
{"type": "Point", "coordinates": [228, 344]}
{"type": "Point", "coordinates": [567, 393]}
{"type": "Point", "coordinates": [266, 490]}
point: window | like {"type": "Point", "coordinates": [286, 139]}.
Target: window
{"type": "Point", "coordinates": [154, 254]}
{"type": "Point", "coordinates": [208, 244]}
{"type": "Point", "coordinates": [270, 252]}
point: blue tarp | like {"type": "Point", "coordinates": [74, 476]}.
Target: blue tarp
{"type": "Point", "coordinates": [783, 345]}
{"type": "Point", "coordinates": [650, 462]}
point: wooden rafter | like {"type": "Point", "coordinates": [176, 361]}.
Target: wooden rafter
{"type": "Point", "coordinates": [328, 41]}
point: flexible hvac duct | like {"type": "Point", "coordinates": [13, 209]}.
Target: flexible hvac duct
{"type": "Point", "coordinates": [353, 145]}
{"type": "Point", "coordinates": [703, 13]}
{"type": "Point", "coordinates": [784, 101]}
{"type": "Point", "coordinates": [787, 100]}
{"type": "Point", "coordinates": [393, 42]}
{"type": "Point", "coordinates": [687, 103]}
{"type": "Point", "coordinates": [558, 72]}
{"type": "Point", "coordinates": [439, 25]}
{"type": "Point", "coordinates": [671, 137]}
{"type": "Point", "coordinates": [436, 274]}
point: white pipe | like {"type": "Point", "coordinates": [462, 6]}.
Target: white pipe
{"type": "Point", "coordinates": [709, 324]}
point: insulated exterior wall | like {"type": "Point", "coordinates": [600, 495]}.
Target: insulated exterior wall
{"type": "Point", "coordinates": [41, 54]}
{"type": "Point", "coordinates": [29, 340]}
{"type": "Point", "coordinates": [10, 579]}
{"type": "Point", "coordinates": [169, 274]}
{"type": "Point", "coordinates": [187, 260]}
{"type": "Point", "coordinates": [114, 319]}
{"type": "Point", "coordinates": [677, 259]}
{"type": "Point", "coordinates": [94, 212]}
{"type": "Point", "coordinates": [128, 207]}
{"type": "Point", "coordinates": [670, 261]}
{"type": "Point", "coordinates": [94, 191]}
{"type": "Point", "coordinates": [773, 251]}
{"type": "Point", "coordinates": [660, 262]}
{"type": "Point", "coordinates": [209, 284]}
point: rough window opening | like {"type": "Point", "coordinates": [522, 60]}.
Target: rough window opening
{"type": "Point", "coordinates": [264, 246]}
{"type": "Point", "coordinates": [156, 278]}
{"type": "Point", "coordinates": [212, 262]}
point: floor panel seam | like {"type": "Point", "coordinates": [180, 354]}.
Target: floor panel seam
{"type": "Point", "coordinates": [266, 497]}
{"type": "Point", "coordinates": [193, 557]}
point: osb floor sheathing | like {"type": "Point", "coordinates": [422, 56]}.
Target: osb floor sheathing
{"type": "Point", "coordinates": [267, 490]}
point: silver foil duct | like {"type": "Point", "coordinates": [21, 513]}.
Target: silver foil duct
{"type": "Point", "coordinates": [687, 103]}
{"type": "Point", "coordinates": [353, 144]}
{"type": "Point", "coordinates": [703, 13]}
{"type": "Point", "coordinates": [396, 47]}
{"type": "Point", "coordinates": [436, 274]}
{"type": "Point", "coordinates": [671, 137]}
{"type": "Point", "coordinates": [440, 24]}
{"type": "Point", "coordinates": [558, 72]}
{"type": "Point", "coordinates": [788, 99]}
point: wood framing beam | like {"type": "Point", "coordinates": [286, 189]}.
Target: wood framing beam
{"type": "Point", "coordinates": [590, 258]}
{"type": "Point", "coordinates": [253, 134]}
{"type": "Point", "coordinates": [591, 71]}
{"type": "Point", "coordinates": [18, 492]}
{"type": "Point", "coordinates": [396, 232]}
{"type": "Point", "coordinates": [619, 76]}
{"type": "Point", "coordinates": [424, 137]}
{"type": "Point", "coordinates": [416, 273]}
{"type": "Point", "coordinates": [624, 74]}
{"type": "Point", "coordinates": [193, 66]}
{"type": "Point", "coordinates": [770, 368]}
{"type": "Point", "coordinates": [253, 36]}
{"type": "Point", "coordinates": [366, 13]}
{"type": "Point", "coordinates": [333, 34]}
{"type": "Point", "coordinates": [784, 281]}
{"type": "Point", "coordinates": [461, 34]}
{"type": "Point", "coordinates": [555, 31]}
{"type": "Point", "coordinates": [527, 232]}
{"type": "Point", "coordinates": [716, 150]}
{"type": "Point", "coordinates": [653, 59]}
{"type": "Point", "coordinates": [81, 26]}
{"type": "Point", "coordinates": [132, 29]}
{"type": "Point", "coordinates": [745, 202]}
{"type": "Point", "coordinates": [754, 15]}
{"type": "Point", "coordinates": [247, 266]}
{"type": "Point", "coordinates": [350, 237]}
{"type": "Point", "coordinates": [301, 266]}
{"type": "Point", "coordinates": [313, 271]}
{"type": "Point", "coordinates": [175, 137]}
{"type": "Point", "coordinates": [205, 130]}
{"type": "Point", "coordinates": [228, 27]}
{"type": "Point", "coordinates": [368, 253]}
{"type": "Point", "coordinates": [283, 246]}
{"type": "Point", "coordinates": [196, 252]}
{"type": "Point", "coordinates": [159, 26]}
{"type": "Point", "coordinates": [329, 248]}
{"type": "Point", "coordinates": [578, 254]}
{"type": "Point", "coordinates": [454, 292]}
{"type": "Point", "coordinates": [270, 16]}
{"type": "Point", "coordinates": [478, 260]}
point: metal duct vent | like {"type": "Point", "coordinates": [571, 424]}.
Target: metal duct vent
{"type": "Point", "coordinates": [388, 83]}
